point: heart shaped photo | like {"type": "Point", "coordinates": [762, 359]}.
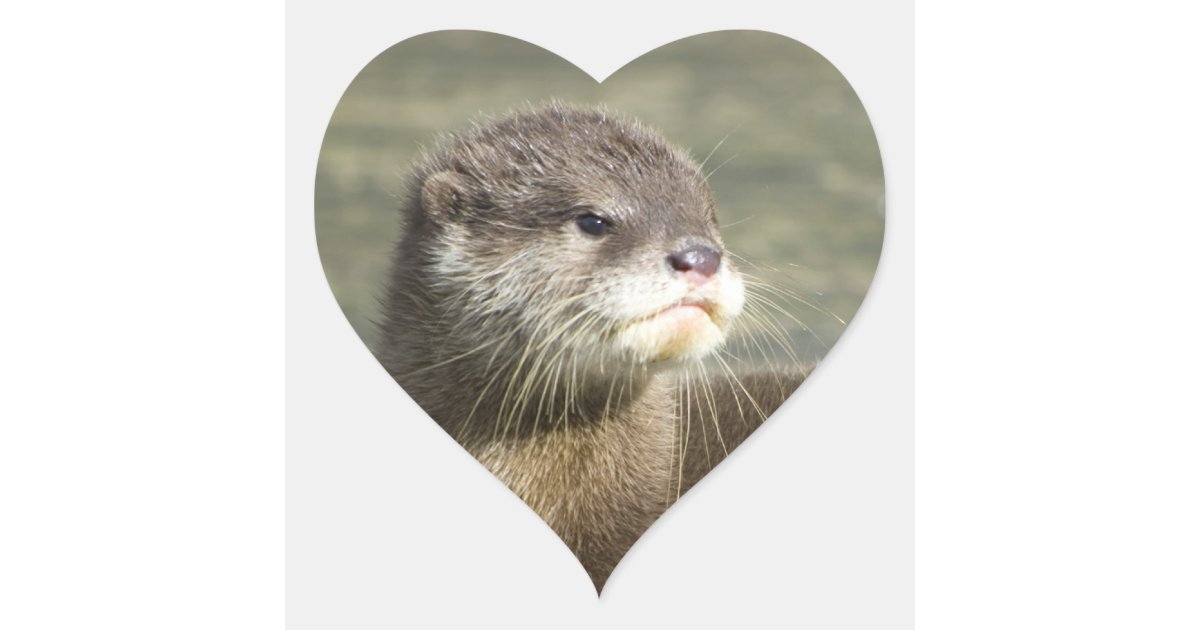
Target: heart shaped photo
{"type": "Point", "coordinates": [599, 289]}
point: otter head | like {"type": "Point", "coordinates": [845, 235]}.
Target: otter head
{"type": "Point", "coordinates": [576, 233]}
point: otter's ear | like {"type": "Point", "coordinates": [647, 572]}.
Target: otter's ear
{"type": "Point", "coordinates": [442, 193]}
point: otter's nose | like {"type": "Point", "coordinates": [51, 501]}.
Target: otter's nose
{"type": "Point", "coordinates": [700, 259]}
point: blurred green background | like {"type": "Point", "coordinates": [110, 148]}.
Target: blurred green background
{"type": "Point", "coordinates": [799, 186]}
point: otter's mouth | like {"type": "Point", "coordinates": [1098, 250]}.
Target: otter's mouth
{"type": "Point", "coordinates": [688, 328]}
{"type": "Point", "coordinates": [684, 311]}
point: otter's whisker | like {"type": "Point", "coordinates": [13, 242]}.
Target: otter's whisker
{"type": "Point", "coordinates": [530, 376]}
{"type": "Point", "coordinates": [730, 374]}
{"type": "Point", "coordinates": [727, 373]}
{"type": "Point", "coordinates": [714, 171]}
{"type": "Point", "coordinates": [738, 222]}
{"type": "Point", "coordinates": [769, 326]}
{"type": "Point", "coordinates": [685, 429]}
{"type": "Point", "coordinates": [700, 414]}
{"type": "Point", "coordinates": [714, 149]}
{"type": "Point", "coordinates": [712, 407]}
{"type": "Point", "coordinates": [754, 280]}
{"type": "Point", "coordinates": [782, 311]}
{"type": "Point", "coordinates": [459, 357]}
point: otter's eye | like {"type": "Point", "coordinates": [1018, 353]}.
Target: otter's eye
{"type": "Point", "coordinates": [593, 224]}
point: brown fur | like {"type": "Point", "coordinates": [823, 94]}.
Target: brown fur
{"type": "Point", "coordinates": [498, 314]}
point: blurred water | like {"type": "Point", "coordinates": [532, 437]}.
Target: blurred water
{"type": "Point", "coordinates": [799, 185]}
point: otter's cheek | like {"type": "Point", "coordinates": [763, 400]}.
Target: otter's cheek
{"type": "Point", "coordinates": [680, 332]}
{"type": "Point", "coordinates": [732, 296]}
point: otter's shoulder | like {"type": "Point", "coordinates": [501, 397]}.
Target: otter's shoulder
{"type": "Point", "coordinates": [718, 410]}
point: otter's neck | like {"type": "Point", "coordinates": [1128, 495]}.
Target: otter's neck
{"type": "Point", "coordinates": [591, 453]}
{"type": "Point", "coordinates": [503, 393]}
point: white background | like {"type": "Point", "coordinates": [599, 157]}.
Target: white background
{"type": "Point", "coordinates": [141, 421]}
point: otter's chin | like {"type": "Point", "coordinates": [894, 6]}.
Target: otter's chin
{"type": "Point", "coordinates": [684, 331]}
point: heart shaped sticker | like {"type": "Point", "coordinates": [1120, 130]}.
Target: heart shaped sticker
{"type": "Point", "coordinates": [599, 290]}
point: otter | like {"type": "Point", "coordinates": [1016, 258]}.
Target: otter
{"type": "Point", "coordinates": [558, 286]}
